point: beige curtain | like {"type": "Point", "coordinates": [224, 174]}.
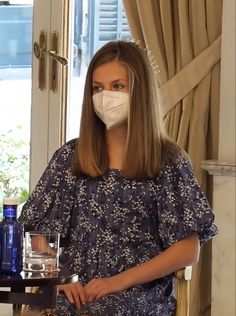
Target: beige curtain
{"type": "Point", "coordinates": [185, 38]}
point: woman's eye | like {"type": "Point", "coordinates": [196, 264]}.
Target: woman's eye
{"type": "Point", "coordinates": [96, 89]}
{"type": "Point", "coordinates": [119, 86]}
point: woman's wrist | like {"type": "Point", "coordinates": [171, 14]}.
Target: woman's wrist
{"type": "Point", "coordinates": [125, 279]}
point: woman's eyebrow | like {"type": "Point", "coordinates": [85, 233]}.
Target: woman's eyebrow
{"type": "Point", "coordinates": [114, 81]}
{"type": "Point", "coordinates": [117, 80]}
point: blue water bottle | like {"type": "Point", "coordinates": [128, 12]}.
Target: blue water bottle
{"type": "Point", "coordinates": [11, 239]}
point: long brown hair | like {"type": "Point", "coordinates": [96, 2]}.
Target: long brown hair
{"type": "Point", "coordinates": [145, 137]}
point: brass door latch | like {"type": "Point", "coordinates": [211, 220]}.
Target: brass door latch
{"type": "Point", "coordinates": [41, 52]}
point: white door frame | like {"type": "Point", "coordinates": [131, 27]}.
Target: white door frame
{"type": "Point", "coordinates": [48, 107]}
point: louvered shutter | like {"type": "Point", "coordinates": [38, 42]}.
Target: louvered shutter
{"type": "Point", "coordinates": [107, 22]}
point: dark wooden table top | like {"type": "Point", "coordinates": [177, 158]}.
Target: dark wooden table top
{"type": "Point", "coordinates": [37, 279]}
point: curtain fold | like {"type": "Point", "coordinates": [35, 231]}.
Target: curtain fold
{"type": "Point", "coordinates": [182, 83]}
{"type": "Point", "coordinates": [185, 38]}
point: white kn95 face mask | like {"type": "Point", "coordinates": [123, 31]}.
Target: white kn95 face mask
{"type": "Point", "coordinates": [111, 107]}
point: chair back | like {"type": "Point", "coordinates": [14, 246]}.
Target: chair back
{"type": "Point", "coordinates": [183, 277]}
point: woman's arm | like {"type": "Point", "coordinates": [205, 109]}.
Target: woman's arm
{"type": "Point", "coordinates": [179, 255]}
{"type": "Point", "coordinates": [182, 253]}
{"type": "Point", "coordinates": [40, 243]}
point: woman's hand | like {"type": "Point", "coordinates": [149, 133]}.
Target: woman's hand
{"type": "Point", "coordinates": [183, 253]}
{"type": "Point", "coordinates": [98, 288]}
{"type": "Point", "coordinates": [41, 244]}
{"type": "Point", "coordinates": [74, 292]}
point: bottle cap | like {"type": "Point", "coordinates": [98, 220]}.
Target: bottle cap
{"type": "Point", "coordinates": [10, 201]}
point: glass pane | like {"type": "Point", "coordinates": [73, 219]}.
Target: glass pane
{"type": "Point", "coordinates": [95, 22]}
{"type": "Point", "coordinates": [15, 91]}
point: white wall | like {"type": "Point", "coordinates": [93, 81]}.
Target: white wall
{"type": "Point", "coordinates": [223, 246]}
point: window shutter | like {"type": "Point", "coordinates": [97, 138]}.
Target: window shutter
{"type": "Point", "coordinates": [109, 23]}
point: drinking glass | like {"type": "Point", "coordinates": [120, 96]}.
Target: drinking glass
{"type": "Point", "coordinates": [41, 251]}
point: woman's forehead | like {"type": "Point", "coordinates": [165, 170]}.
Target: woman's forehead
{"type": "Point", "coordinates": [113, 70]}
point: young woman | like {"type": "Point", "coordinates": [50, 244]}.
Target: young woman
{"type": "Point", "coordinates": [123, 197]}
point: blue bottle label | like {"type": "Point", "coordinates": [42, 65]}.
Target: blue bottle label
{"type": "Point", "coordinates": [9, 211]}
{"type": "Point", "coordinates": [11, 239]}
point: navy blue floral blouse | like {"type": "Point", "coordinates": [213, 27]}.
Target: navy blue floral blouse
{"type": "Point", "coordinates": [109, 224]}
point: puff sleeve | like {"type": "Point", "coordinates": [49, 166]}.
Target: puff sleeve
{"type": "Point", "coordinates": [50, 204]}
{"type": "Point", "coordinates": [184, 208]}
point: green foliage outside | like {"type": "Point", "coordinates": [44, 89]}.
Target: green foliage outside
{"type": "Point", "coordinates": [14, 166]}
